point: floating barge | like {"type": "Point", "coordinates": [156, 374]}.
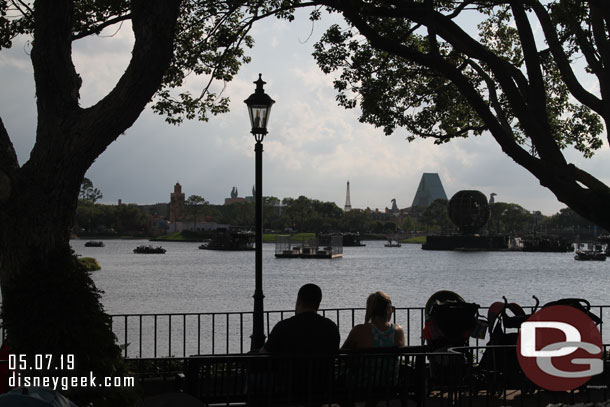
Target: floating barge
{"type": "Point", "coordinates": [590, 255]}
{"type": "Point", "coordinates": [393, 243]}
{"type": "Point", "coordinates": [94, 243]}
{"type": "Point", "coordinates": [319, 248]}
{"type": "Point", "coordinates": [230, 239]}
{"type": "Point", "coordinates": [148, 249]}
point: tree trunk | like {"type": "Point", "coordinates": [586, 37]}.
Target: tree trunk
{"type": "Point", "coordinates": [49, 303]}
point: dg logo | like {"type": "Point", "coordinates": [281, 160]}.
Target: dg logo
{"type": "Point", "coordinates": [560, 348]}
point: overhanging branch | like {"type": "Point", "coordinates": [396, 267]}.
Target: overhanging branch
{"type": "Point", "coordinates": [100, 27]}
{"type": "Point", "coordinates": [153, 23]}
{"type": "Point", "coordinates": [563, 63]}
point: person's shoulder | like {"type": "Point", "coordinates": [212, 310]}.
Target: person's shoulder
{"type": "Point", "coordinates": [327, 321]}
{"type": "Point", "coordinates": [399, 328]}
{"type": "Point", "coordinates": [284, 323]}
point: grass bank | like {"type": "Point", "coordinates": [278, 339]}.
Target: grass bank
{"type": "Point", "coordinates": [415, 240]}
{"type": "Point", "coordinates": [90, 263]}
{"type": "Point", "coordinates": [184, 236]}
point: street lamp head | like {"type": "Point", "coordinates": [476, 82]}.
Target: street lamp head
{"type": "Point", "coordinates": [259, 107]}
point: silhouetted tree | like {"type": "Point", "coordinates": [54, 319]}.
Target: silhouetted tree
{"type": "Point", "coordinates": [510, 218]}
{"type": "Point", "coordinates": [88, 193]}
{"type": "Point", "coordinates": [436, 217]}
{"type": "Point", "coordinates": [418, 65]}
{"type": "Point", "coordinates": [195, 205]}
{"type": "Point", "coordinates": [38, 199]}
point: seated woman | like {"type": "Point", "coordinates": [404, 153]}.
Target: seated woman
{"type": "Point", "coordinates": [377, 330]}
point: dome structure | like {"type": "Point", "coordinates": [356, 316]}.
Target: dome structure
{"type": "Point", "coordinates": [469, 211]}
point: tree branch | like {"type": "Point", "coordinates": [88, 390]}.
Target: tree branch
{"type": "Point", "coordinates": [437, 63]}
{"type": "Point", "coordinates": [563, 63]}
{"type": "Point", "coordinates": [99, 28]}
{"type": "Point", "coordinates": [57, 84]}
{"type": "Point", "coordinates": [539, 129]}
{"type": "Point", "coordinates": [153, 23]}
{"type": "Point", "coordinates": [8, 157]}
{"type": "Point", "coordinates": [600, 34]}
{"type": "Point", "coordinates": [493, 96]}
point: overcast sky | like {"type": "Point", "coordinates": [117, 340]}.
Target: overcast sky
{"type": "Point", "coordinates": [313, 147]}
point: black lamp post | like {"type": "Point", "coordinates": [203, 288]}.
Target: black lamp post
{"type": "Point", "coordinates": [259, 107]}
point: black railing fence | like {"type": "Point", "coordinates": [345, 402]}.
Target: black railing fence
{"type": "Point", "coordinates": [184, 334]}
{"type": "Point", "coordinates": [383, 377]}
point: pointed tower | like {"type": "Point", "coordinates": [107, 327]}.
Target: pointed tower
{"type": "Point", "coordinates": [430, 189]}
{"type": "Point", "coordinates": [348, 204]}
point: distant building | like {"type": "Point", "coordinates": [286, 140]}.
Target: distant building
{"type": "Point", "coordinates": [176, 204]}
{"type": "Point", "coordinates": [430, 189]}
{"type": "Point", "coordinates": [234, 197]}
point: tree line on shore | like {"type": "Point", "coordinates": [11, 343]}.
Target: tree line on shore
{"type": "Point", "coordinates": [304, 214]}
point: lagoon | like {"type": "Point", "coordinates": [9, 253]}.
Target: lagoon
{"type": "Point", "coordinates": [187, 279]}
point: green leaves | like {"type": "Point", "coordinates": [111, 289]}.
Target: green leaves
{"type": "Point", "coordinates": [410, 67]}
{"type": "Point", "coordinates": [394, 92]}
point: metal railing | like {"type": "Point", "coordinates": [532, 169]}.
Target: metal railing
{"type": "Point", "coordinates": [184, 334]}
{"type": "Point", "coordinates": [452, 378]}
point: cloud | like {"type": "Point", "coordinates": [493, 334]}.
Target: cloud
{"type": "Point", "coordinates": [313, 147]}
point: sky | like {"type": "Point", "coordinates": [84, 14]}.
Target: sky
{"type": "Point", "coordinates": [313, 147]}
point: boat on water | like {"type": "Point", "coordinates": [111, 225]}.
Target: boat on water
{"type": "Point", "coordinates": [322, 247]}
{"type": "Point", "coordinates": [590, 255]}
{"type": "Point", "coordinates": [546, 244]}
{"type": "Point", "coordinates": [230, 239]}
{"type": "Point", "coordinates": [148, 249]}
{"type": "Point", "coordinates": [393, 243]}
{"type": "Point", "coordinates": [94, 243]}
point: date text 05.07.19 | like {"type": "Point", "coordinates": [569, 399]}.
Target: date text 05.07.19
{"type": "Point", "coordinates": [41, 362]}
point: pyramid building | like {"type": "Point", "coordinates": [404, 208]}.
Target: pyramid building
{"type": "Point", "coordinates": [430, 189]}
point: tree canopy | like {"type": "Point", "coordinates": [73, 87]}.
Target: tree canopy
{"type": "Point", "coordinates": [417, 65]}
{"type": "Point", "coordinates": [88, 193]}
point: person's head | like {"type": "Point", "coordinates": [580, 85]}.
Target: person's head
{"type": "Point", "coordinates": [308, 298]}
{"type": "Point", "coordinates": [379, 305]}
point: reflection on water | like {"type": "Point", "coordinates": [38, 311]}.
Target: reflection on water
{"type": "Point", "coordinates": [187, 279]}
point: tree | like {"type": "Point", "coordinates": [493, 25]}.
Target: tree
{"type": "Point", "coordinates": [88, 193]}
{"type": "Point", "coordinates": [355, 220]}
{"type": "Point", "coordinates": [510, 218]}
{"type": "Point", "coordinates": [436, 216]}
{"type": "Point", "coordinates": [299, 210]}
{"type": "Point", "coordinates": [38, 199]}
{"type": "Point", "coordinates": [566, 220]}
{"type": "Point", "coordinates": [238, 214]}
{"type": "Point", "coordinates": [410, 64]}
{"type": "Point", "coordinates": [195, 204]}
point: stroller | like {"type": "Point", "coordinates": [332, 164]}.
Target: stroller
{"type": "Point", "coordinates": [450, 321]}
{"type": "Point", "coordinates": [500, 363]}
{"type": "Point", "coordinates": [500, 357]}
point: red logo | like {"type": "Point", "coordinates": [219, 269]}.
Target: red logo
{"type": "Point", "coordinates": [560, 348]}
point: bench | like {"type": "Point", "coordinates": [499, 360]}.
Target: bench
{"type": "Point", "coordinates": [344, 378]}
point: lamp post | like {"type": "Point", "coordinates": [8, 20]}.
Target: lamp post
{"type": "Point", "coordinates": [259, 107]}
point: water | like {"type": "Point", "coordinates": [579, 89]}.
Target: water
{"type": "Point", "coordinates": [187, 279]}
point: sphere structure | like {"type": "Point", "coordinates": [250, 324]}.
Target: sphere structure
{"type": "Point", "coordinates": [469, 211]}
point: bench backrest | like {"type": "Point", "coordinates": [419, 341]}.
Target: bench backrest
{"type": "Point", "coordinates": [267, 379]}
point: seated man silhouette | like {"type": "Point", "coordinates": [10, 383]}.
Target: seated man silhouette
{"type": "Point", "coordinates": [305, 334]}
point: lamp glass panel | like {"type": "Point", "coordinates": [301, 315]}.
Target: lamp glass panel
{"type": "Point", "coordinates": [259, 115]}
